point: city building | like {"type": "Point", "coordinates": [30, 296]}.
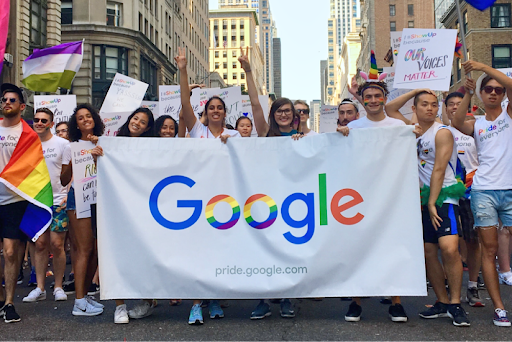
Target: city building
{"type": "Point", "coordinates": [332, 60]}
{"type": "Point", "coordinates": [323, 81]}
{"type": "Point", "coordinates": [440, 8]}
{"type": "Point", "coordinates": [231, 29]}
{"type": "Point", "coordinates": [314, 114]}
{"type": "Point", "coordinates": [488, 37]}
{"type": "Point", "coordinates": [347, 67]}
{"type": "Point", "coordinates": [276, 56]}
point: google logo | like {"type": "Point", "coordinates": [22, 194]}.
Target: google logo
{"type": "Point", "coordinates": [308, 221]}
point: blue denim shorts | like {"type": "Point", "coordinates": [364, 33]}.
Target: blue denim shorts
{"type": "Point", "coordinates": [490, 205]}
{"type": "Point", "coordinates": [71, 204]}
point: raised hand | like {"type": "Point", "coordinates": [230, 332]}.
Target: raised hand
{"type": "Point", "coordinates": [244, 59]}
{"type": "Point", "coordinates": [353, 88]}
{"type": "Point", "coordinates": [181, 59]}
{"type": "Point", "coordinates": [472, 66]}
{"type": "Point", "coordinates": [470, 85]}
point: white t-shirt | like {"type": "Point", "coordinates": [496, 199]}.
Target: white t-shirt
{"type": "Point", "coordinates": [9, 137]}
{"type": "Point", "coordinates": [494, 145]}
{"type": "Point", "coordinates": [466, 150]}
{"type": "Point", "coordinates": [57, 152]}
{"type": "Point", "coordinates": [201, 131]}
{"type": "Point", "coordinates": [427, 158]}
{"type": "Point", "coordinates": [310, 133]}
{"type": "Point", "coordinates": [364, 122]}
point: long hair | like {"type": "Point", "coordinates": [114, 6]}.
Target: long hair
{"type": "Point", "coordinates": [274, 130]}
{"type": "Point", "coordinates": [160, 122]}
{"type": "Point", "coordinates": [74, 132]}
{"type": "Point", "coordinates": [205, 112]}
{"type": "Point", "coordinates": [124, 131]}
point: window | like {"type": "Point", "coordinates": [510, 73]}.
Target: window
{"type": "Point", "coordinates": [114, 13]}
{"type": "Point", "coordinates": [500, 15]}
{"type": "Point", "coordinates": [242, 76]}
{"type": "Point", "coordinates": [410, 9]}
{"type": "Point", "coordinates": [410, 24]}
{"type": "Point", "coordinates": [38, 20]}
{"type": "Point", "coordinates": [234, 53]}
{"type": "Point", "coordinates": [148, 75]}
{"type": "Point", "coordinates": [233, 24]}
{"type": "Point", "coordinates": [392, 26]}
{"type": "Point", "coordinates": [392, 10]}
{"type": "Point", "coordinates": [225, 76]}
{"type": "Point", "coordinates": [234, 76]}
{"type": "Point", "coordinates": [241, 24]}
{"type": "Point", "coordinates": [225, 65]}
{"type": "Point", "coordinates": [216, 65]}
{"type": "Point", "coordinates": [234, 65]}
{"type": "Point", "coordinates": [465, 22]}
{"type": "Point", "coordinates": [224, 53]}
{"type": "Point", "coordinates": [224, 24]}
{"type": "Point", "coordinates": [140, 22]}
{"type": "Point", "coordinates": [501, 56]}
{"type": "Point", "coordinates": [216, 54]}
{"type": "Point", "coordinates": [66, 14]}
{"type": "Point", "coordinates": [106, 62]}
{"type": "Point", "coordinates": [459, 69]}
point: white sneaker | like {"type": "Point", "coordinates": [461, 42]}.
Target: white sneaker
{"type": "Point", "coordinates": [83, 308]}
{"type": "Point", "coordinates": [59, 294]}
{"type": "Point", "coordinates": [121, 315]}
{"type": "Point", "coordinates": [94, 303]}
{"type": "Point", "coordinates": [35, 295]}
{"type": "Point", "coordinates": [505, 278]}
{"type": "Point", "coordinates": [142, 309]}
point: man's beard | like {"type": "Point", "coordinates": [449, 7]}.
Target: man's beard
{"type": "Point", "coordinates": [10, 113]}
{"type": "Point", "coordinates": [344, 122]}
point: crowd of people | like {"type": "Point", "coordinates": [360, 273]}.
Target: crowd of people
{"type": "Point", "coordinates": [464, 170]}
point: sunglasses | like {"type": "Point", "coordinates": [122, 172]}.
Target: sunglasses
{"type": "Point", "coordinates": [497, 90]}
{"type": "Point", "coordinates": [44, 121]}
{"type": "Point", "coordinates": [5, 99]}
{"type": "Point", "coordinates": [302, 111]}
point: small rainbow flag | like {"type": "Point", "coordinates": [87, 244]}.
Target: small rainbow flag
{"type": "Point", "coordinates": [27, 175]}
{"type": "Point", "coordinates": [458, 47]}
{"type": "Point", "coordinates": [374, 72]}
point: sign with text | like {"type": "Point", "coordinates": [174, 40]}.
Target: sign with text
{"type": "Point", "coordinates": [396, 38]}
{"type": "Point", "coordinates": [125, 94]}
{"type": "Point", "coordinates": [62, 106]}
{"type": "Point", "coordinates": [199, 99]}
{"type": "Point", "coordinates": [84, 177]}
{"type": "Point", "coordinates": [328, 119]}
{"type": "Point", "coordinates": [508, 72]}
{"type": "Point", "coordinates": [170, 101]}
{"type": "Point", "coordinates": [232, 96]}
{"type": "Point", "coordinates": [113, 122]}
{"type": "Point", "coordinates": [425, 59]}
{"type": "Point", "coordinates": [406, 110]}
{"type": "Point", "coordinates": [152, 106]}
{"type": "Point", "coordinates": [247, 110]}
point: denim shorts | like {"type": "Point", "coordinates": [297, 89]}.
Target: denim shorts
{"type": "Point", "coordinates": [71, 204]}
{"type": "Point", "coordinates": [490, 205]}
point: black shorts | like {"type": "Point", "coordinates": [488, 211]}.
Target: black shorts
{"type": "Point", "coordinates": [467, 221]}
{"type": "Point", "coordinates": [449, 213]}
{"type": "Point", "coordinates": [94, 220]}
{"type": "Point", "coordinates": [10, 220]}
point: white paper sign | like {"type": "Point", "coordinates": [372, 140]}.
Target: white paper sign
{"type": "Point", "coordinates": [328, 119]}
{"type": "Point", "coordinates": [152, 106]}
{"type": "Point", "coordinates": [113, 122]}
{"type": "Point", "coordinates": [508, 72]}
{"type": "Point", "coordinates": [406, 110]}
{"type": "Point", "coordinates": [232, 96]}
{"type": "Point", "coordinates": [170, 101]}
{"type": "Point", "coordinates": [62, 106]}
{"type": "Point", "coordinates": [425, 59]}
{"type": "Point", "coordinates": [84, 177]}
{"type": "Point", "coordinates": [125, 94]}
{"type": "Point", "coordinates": [396, 38]}
{"type": "Point", "coordinates": [247, 110]}
{"type": "Point", "coordinates": [199, 99]}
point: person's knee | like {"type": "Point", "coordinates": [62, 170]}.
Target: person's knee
{"type": "Point", "coordinates": [451, 252]}
{"type": "Point", "coordinates": [57, 247]}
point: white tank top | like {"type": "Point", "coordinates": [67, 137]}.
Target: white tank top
{"type": "Point", "coordinates": [466, 150]}
{"type": "Point", "coordinates": [494, 145]}
{"type": "Point", "coordinates": [427, 157]}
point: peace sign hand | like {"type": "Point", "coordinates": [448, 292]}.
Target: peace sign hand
{"type": "Point", "coordinates": [244, 59]}
{"type": "Point", "coordinates": [181, 59]}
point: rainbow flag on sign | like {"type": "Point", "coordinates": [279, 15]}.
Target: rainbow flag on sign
{"type": "Point", "coordinates": [27, 175]}
{"type": "Point", "coordinates": [481, 4]}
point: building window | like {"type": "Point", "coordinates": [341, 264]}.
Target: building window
{"type": "Point", "coordinates": [225, 76]}
{"type": "Point", "coordinates": [242, 76]}
{"type": "Point", "coordinates": [114, 13]}
{"type": "Point", "coordinates": [241, 24]}
{"type": "Point", "coordinates": [148, 75]}
{"type": "Point", "coordinates": [216, 54]}
{"type": "Point", "coordinates": [392, 26]}
{"type": "Point", "coordinates": [38, 21]}
{"type": "Point", "coordinates": [410, 24]}
{"type": "Point", "coordinates": [225, 65]}
{"type": "Point", "coordinates": [234, 65]}
{"type": "Point", "coordinates": [500, 15]}
{"type": "Point", "coordinates": [465, 22]}
{"type": "Point", "coordinates": [107, 61]}
{"type": "Point", "coordinates": [410, 9]}
{"type": "Point", "coordinates": [216, 65]}
{"type": "Point", "coordinates": [459, 69]}
{"type": "Point", "coordinates": [224, 54]}
{"type": "Point", "coordinates": [234, 76]}
{"type": "Point", "coordinates": [501, 56]}
{"type": "Point", "coordinates": [234, 53]}
{"type": "Point", "coordinates": [392, 10]}
{"type": "Point", "coordinates": [66, 12]}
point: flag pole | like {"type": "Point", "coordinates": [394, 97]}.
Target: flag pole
{"type": "Point", "coordinates": [462, 36]}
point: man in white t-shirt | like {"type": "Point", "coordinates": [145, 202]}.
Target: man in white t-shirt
{"type": "Point", "coordinates": [56, 152]}
{"type": "Point", "coordinates": [302, 108]}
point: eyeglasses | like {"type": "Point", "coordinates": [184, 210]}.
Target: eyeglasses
{"type": "Point", "coordinates": [11, 100]}
{"type": "Point", "coordinates": [44, 121]}
{"type": "Point", "coordinates": [497, 90]}
{"type": "Point", "coordinates": [282, 112]}
{"type": "Point", "coordinates": [64, 130]}
{"type": "Point", "coordinates": [302, 111]}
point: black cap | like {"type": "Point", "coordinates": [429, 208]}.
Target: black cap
{"type": "Point", "coordinates": [12, 88]}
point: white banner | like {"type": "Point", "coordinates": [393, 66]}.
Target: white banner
{"type": "Point", "coordinates": [84, 177]}
{"type": "Point", "coordinates": [170, 101]}
{"type": "Point", "coordinates": [232, 96]}
{"type": "Point", "coordinates": [152, 106]}
{"type": "Point", "coordinates": [425, 59]}
{"type": "Point", "coordinates": [396, 39]}
{"type": "Point", "coordinates": [113, 122]}
{"type": "Point", "coordinates": [62, 106]}
{"type": "Point", "coordinates": [327, 223]}
{"type": "Point", "coordinates": [406, 110]}
{"type": "Point", "coordinates": [328, 119]}
{"type": "Point", "coordinates": [124, 95]}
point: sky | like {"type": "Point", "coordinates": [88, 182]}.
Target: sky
{"type": "Point", "coordinates": [302, 27]}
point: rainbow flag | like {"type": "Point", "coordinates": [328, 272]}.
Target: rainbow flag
{"type": "Point", "coordinates": [27, 175]}
{"type": "Point", "coordinates": [374, 72]}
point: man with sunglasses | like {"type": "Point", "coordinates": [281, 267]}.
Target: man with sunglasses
{"type": "Point", "coordinates": [491, 192]}
{"type": "Point", "coordinates": [302, 108]}
{"type": "Point", "coordinates": [56, 152]}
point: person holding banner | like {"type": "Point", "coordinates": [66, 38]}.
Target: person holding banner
{"type": "Point", "coordinates": [302, 109]}
{"type": "Point", "coordinates": [166, 127]}
{"type": "Point", "coordinates": [440, 194]}
{"type": "Point", "coordinates": [491, 192]}
{"type": "Point", "coordinates": [244, 126]}
{"type": "Point", "coordinates": [347, 112]}
{"type": "Point", "coordinates": [84, 124]}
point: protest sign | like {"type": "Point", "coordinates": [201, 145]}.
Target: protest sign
{"type": "Point", "coordinates": [170, 101]}
{"type": "Point", "coordinates": [396, 38]}
{"type": "Point", "coordinates": [232, 97]}
{"type": "Point", "coordinates": [406, 109]}
{"type": "Point", "coordinates": [303, 232]}
{"type": "Point", "coordinates": [247, 110]}
{"type": "Point", "coordinates": [84, 177]}
{"type": "Point", "coordinates": [152, 106]}
{"type": "Point", "coordinates": [425, 59]}
{"type": "Point", "coordinates": [508, 72]}
{"type": "Point", "coordinates": [113, 122]}
{"type": "Point", "coordinates": [328, 119]}
{"type": "Point", "coordinates": [62, 106]}
{"type": "Point", "coordinates": [199, 98]}
{"type": "Point", "coordinates": [125, 94]}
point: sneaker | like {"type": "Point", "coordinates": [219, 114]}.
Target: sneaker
{"type": "Point", "coordinates": [458, 315]}
{"type": "Point", "coordinates": [196, 315]}
{"type": "Point", "coordinates": [397, 313]}
{"type": "Point", "coordinates": [69, 287]}
{"type": "Point", "coordinates": [287, 309]}
{"type": "Point", "coordinates": [10, 314]}
{"type": "Point", "coordinates": [94, 303]}
{"type": "Point", "coordinates": [141, 310]}
{"type": "Point", "coordinates": [505, 278]}
{"type": "Point", "coordinates": [500, 318]}
{"type": "Point", "coordinates": [121, 315]}
{"type": "Point", "coordinates": [261, 311]}
{"type": "Point", "coordinates": [2, 305]}
{"type": "Point", "coordinates": [353, 313]}
{"type": "Point", "coordinates": [33, 280]}
{"type": "Point", "coordinates": [35, 295]}
{"type": "Point", "coordinates": [438, 310]}
{"type": "Point", "coordinates": [480, 283]}
{"type": "Point", "coordinates": [473, 298]}
{"type": "Point", "coordinates": [83, 308]}
{"type": "Point", "coordinates": [215, 310]}
{"type": "Point", "coordinates": [93, 289]}
{"type": "Point", "coordinates": [59, 294]}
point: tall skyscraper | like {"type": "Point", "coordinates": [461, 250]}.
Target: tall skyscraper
{"type": "Point", "coordinates": [276, 56]}
{"type": "Point", "coordinates": [440, 7]}
{"type": "Point", "coordinates": [323, 81]}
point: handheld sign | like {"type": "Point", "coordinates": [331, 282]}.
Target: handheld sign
{"type": "Point", "coordinates": [396, 39]}
{"type": "Point", "coordinates": [406, 110]}
{"type": "Point", "coordinates": [170, 101]}
{"type": "Point", "coordinates": [113, 122]}
{"type": "Point", "coordinates": [125, 94]}
{"type": "Point", "coordinates": [328, 119]}
{"type": "Point", "coordinates": [84, 177]}
{"type": "Point", "coordinates": [152, 106]}
{"type": "Point", "coordinates": [232, 97]}
{"type": "Point", "coordinates": [62, 106]}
